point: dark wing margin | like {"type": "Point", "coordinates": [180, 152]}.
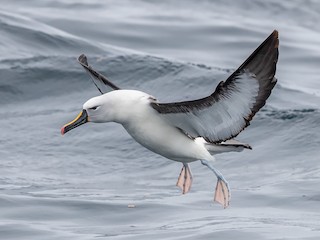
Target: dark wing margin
{"type": "Point", "coordinates": [100, 81]}
{"type": "Point", "coordinates": [229, 109]}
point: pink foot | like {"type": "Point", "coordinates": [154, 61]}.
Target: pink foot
{"type": "Point", "coordinates": [185, 179]}
{"type": "Point", "coordinates": [222, 194]}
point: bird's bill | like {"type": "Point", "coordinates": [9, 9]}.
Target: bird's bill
{"type": "Point", "coordinates": [79, 120]}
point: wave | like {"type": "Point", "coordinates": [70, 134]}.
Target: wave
{"type": "Point", "coordinates": [167, 80]}
{"type": "Point", "coordinates": [185, 49]}
{"type": "Point", "coordinates": [23, 37]}
{"type": "Point", "coordinates": [290, 114]}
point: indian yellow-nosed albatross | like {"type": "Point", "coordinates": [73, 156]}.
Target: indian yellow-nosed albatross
{"type": "Point", "coordinates": [191, 130]}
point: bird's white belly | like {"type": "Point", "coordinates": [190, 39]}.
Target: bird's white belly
{"type": "Point", "coordinates": [158, 136]}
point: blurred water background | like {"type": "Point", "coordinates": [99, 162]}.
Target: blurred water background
{"type": "Point", "coordinates": [79, 186]}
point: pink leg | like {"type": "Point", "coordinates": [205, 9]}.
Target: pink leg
{"type": "Point", "coordinates": [185, 179]}
{"type": "Point", "coordinates": [222, 194]}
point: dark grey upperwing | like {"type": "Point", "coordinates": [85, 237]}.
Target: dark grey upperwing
{"type": "Point", "coordinates": [101, 82]}
{"type": "Point", "coordinates": [227, 111]}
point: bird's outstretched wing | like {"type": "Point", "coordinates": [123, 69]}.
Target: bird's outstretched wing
{"type": "Point", "coordinates": [228, 110]}
{"type": "Point", "coordinates": [100, 81]}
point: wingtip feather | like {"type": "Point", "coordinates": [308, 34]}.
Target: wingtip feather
{"type": "Point", "coordinates": [82, 59]}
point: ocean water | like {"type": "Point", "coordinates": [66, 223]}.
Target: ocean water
{"type": "Point", "coordinates": [79, 186]}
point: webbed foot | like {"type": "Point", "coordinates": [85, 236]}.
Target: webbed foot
{"type": "Point", "coordinates": [185, 179]}
{"type": "Point", "coordinates": [222, 192]}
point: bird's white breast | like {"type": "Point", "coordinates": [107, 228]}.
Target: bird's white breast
{"type": "Point", "coordinates": [147, 127]}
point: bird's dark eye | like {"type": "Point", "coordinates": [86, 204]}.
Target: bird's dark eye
{"type": "Point", "coordinates": [93, 108]}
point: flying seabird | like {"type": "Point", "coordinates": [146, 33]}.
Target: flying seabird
{"type": "Point", "coordinates": [190, 130]}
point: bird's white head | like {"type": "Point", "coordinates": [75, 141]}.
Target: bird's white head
{"type": "Point", "coordinates": [100, 109]}
{"type": "Point", "coordinates": [110, 107]}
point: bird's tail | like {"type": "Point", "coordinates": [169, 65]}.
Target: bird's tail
{"type": "Point", "coordinates": [226, 146]}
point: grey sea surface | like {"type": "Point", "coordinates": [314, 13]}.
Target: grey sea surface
{"type": "Point", "coordinates": [96, 182]}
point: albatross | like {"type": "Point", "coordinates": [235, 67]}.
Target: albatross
{"type": "Point", "coordinates": [188, 131]}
